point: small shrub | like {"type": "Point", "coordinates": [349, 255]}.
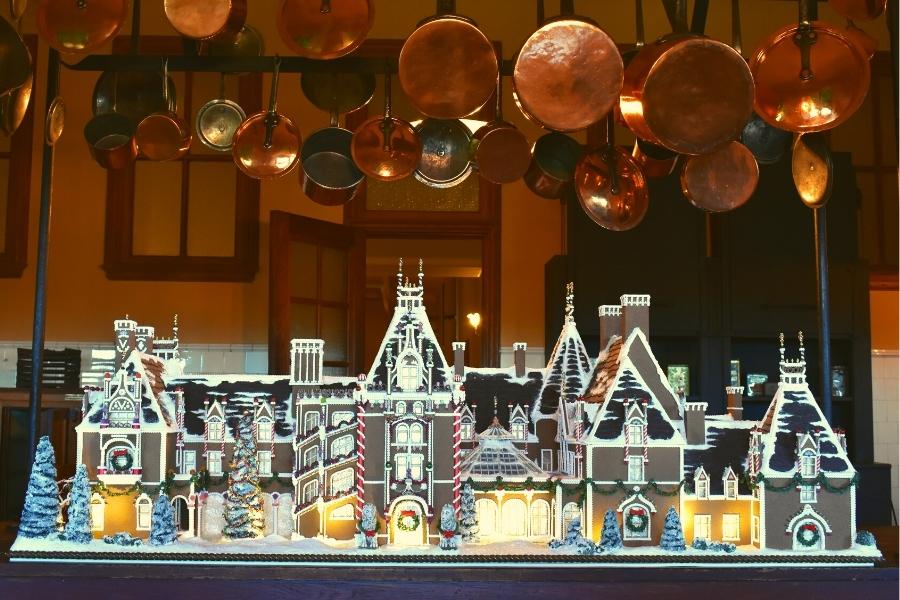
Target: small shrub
{"type": "Point", "coordinates": [122, 539]}
{"type": "Point", "coordinates": [700, 544]}
{"type": "Point", "coordinates": [865, 538]}
{"type": "Point", "coordinates": [704, 544]}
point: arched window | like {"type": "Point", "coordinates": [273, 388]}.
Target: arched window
{"type": "Point", "coordinates": [215, 429]}
{"type": "Point", "coordinates": [487, 516]}
{"type": "Point", "coordinates": [342, 446]}
{"type": "Point", "coordinates": [401, 433]}
{"type": "Point", "coordinates": [514, 515]}
{"type": "Point", "coordinates": [635, 433]}
{"type": "Point", "coordinates": [264, 430]}
{"type": "Point", "coordinates": [340, 417]}
{"type": "Point", "coordinates": [540, 517]}
{"type": "Point", "coordinates": [311, 491]}
{"type": "Point", "coordinates": [466, 429]}
{"type": "Point", "coordinates": [416, 435]}
{"type": "Point", "coordinates": [400, 408]}
{"type": "Point", "coordinates": [808, 464]}
{"type": "Point", "coordinates": [571, 511]}
{"type": "Point", "coordinates": [311, 456]}
{"type": "Point", "coordinates": [143, 507]}
{"type": "Point", "coordinates": [418, 408]}
{"type": "Point", "coordinates": [409, 374]}
{"type": "Point", "coordinates": [310, 421]}
{"type": "Point", "coordinates": [341, 481]}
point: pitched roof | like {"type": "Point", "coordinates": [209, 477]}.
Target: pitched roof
{"type": "Point", "coordinates": [727, 443]}
{"type": "Point", "coordinates": [483, 385]}
{"type": "Point", "coordinates": [567, 371]}
{"type": "Point", "coordinates": [497, 456]}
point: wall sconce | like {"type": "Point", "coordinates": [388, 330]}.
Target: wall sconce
{"type": "Point", "coordinates": [474, 320]}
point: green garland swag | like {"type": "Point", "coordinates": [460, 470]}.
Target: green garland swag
{"type": "Point", "coordinates": [796, 480]}
{"type": "Point", "coordinates": [812, 539]}
{"type": "Point", "coordinates": [618, 486]}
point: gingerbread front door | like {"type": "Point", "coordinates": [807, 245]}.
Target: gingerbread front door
{"type": "Point", "coordinates": [408, 524]}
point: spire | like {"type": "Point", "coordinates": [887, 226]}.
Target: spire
{"type": "Point", "coordinates": [495, 407]}
{"type": "Point", "coordinates": [400, 275]}
{"type": "Point", "coordinates": [802, 348]}
{"type": "Point", "coordinates": [781, 345]}
{"type": "Point", "coordinates": [570, 302]}
{"type": "Point", "coordinates": [421, 271]}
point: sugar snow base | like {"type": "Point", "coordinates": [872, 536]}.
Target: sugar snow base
{"type": "Point", "coordinates": [276, 550]}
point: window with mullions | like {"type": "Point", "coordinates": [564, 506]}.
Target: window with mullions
{"type": "Point", "coordinates": [191, 219]}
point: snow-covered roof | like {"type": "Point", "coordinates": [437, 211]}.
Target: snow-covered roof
{"type": "Point", "coordinates": [497, 456]}
{"type": "Point", "coordinates": [567, 372]}
{"type": "Point", "coordinates": [727, 443]}
{"type": "Point", "coordinates": [483, 385]}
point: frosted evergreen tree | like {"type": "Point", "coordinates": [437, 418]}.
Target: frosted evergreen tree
{"type": "Point", "coordinates": [162, 522]}
{"type": "Point", "coordinates": [672, 536]}
{"type": "Point", "coordinates": [468, 519]}
{"type": "Point", "coordinates": [611, 538]}
{"type": "Point", "coordinates": [41, 509]}
{"type": "Point", "coordinates": [574, 540]}
{"type": "Point", "coordinates": [78, 525]}
{"type": "Point", "coordinates": [449, 534]}
{"type": "Point", "coordinates": [244, 515]}
{"type": "Point", "coordinates": [368, 527]}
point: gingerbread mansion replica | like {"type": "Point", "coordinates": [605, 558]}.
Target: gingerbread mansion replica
{"type": "Point", "coordinates": [589, 455]}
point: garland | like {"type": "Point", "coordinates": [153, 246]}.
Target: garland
{"type": "Point", "coordinates": [636, 520]}
{"type": "Point", "coordinates": [808, 535]}
{"type": "Point", "coordinates": [796, 480]}
{"type": "Point", "coordinates": [409, 520]}
{"type": "Point", "coordinates": [618, 486]}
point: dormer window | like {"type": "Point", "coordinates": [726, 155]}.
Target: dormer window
{"type": "Point", "coordinates": [215, 428]}
{"type": "Point", "coordinates": [409, 374]}
{"type": "Point", "coordinates": [701, 483]}
{"type": "Point", "coordinates": [731, 489]}
{"type": "Point", "coordinates": [808, 465]}
{"type": "Point", "coordinates": [635, 433]}
{"type": "Point", "coordinates": [519, 430]}
{"type": "Point", "coordinates": [465, 430]}
{"type": "Point", "coordinates": [264, 431]}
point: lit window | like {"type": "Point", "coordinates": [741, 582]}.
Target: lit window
{"type": "Point", "coordinates": [465, 430]}
{"type": "Point", "coordinates": [189, 462]}
{"type": "Point", "coordinates": [216, 430]}
{"type": "Point", "coordinates": [144, 508]}
{"type": "Point", "coordinates": [409, 374]}
{"type": "Point", "coordinates": [519, 430]}
{"type": "Point", "coordinates": [540, 518]}
{"type": "Point", "coordinates": [310, 491]}
{"type": "Point", "coordinates": [264, 431]}
{"type": "Point", "coordinates": [401, 434]}
{"type": "Point", "coordinates": [418, 408]}
{"type": "Point", "coordinates": [702, 527]}
{"type": "Point", "coordinates": [635, 468]}
{"type": "Point", "coordinates": [98, 510]}
{"type": "Point", "coordinates": [214, 462]}
{"type": "Point", "coordinates": [310, 421]}
{"type": "Point", "coordinates": [514, 517]}
{"type": "Point", "coordinates": [807, 493]}
{"type": "Point", "coordinates": [487, 516]}
{"type": "Point", "coordinates": [754, 529]}
{"type": "Point", "coordinates": [311, 456]}
{"type": "Point", "coordinates": [264, 462]}
{"type": "Point", "coordinates": [343, 513]}
{"type": "Point", "coordinates": [400, 407]}
{"type": "Point", "coordinates": [702, 488]}
{"type": "Point", "coordinates": [808, 465]}
{"type": "Point", "coordinates": [412, 463]}
{"type": "Point", "coordinates": [571, 511]}
{"type": "Point", "coordinates": [731, 489]}
{"type": "Point", "coordinates": [340, 417]}
{"type": "Point", "coordinates": [341, 481]}
{"type": "Point", "coordinates": [342, 446]}
{"type": "Point", "coordinates": [416, 433]}
{"type": "Point", "coordinates": [731, 527]}
{"type": "Point", "coordinates": [635, 434]}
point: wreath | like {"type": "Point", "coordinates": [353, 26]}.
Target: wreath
{"type": "Point", "coordinates": [121, 460]}
{"type": "Point", "coordinates": [409, 520]}
{"type": "Point", "coordinates": [808, 535]}
{"type": "Point", "coordinates": [636, 520]}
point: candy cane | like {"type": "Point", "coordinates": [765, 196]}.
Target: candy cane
{"type": "Point", "coordinates": [205, 426]}
{"type": "Point", "coordinates": [645, 436]}
{"type": "Point", "coordinates": [457, 453]}
{"type": "Point", "coordinates": [272, 437]}
{"type": "Point", "coordinates": [224, 421]}
{"type": "Point", "coordinates": [360, 457]}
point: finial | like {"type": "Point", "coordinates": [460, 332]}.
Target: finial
{"type": "Point", "coordinates": [570, 302]}
{"type": "Point", "coordinates": [802, 347]}
{"type": "Point", "coordinates": [126, 316]}
{"type": "Point", "coordinates": [421, 271]}
{"type": "Point", "coordinates": [495, 407]}
{"type": "Point", "coordinates": [400, 272]}
{"type": "Point", "coordinates": [781, 345]}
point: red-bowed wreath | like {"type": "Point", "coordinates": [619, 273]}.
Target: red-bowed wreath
{"type": "Point", "coordinates": [808, 535]}
{"type": "Point", "coordinates": [636, 520]}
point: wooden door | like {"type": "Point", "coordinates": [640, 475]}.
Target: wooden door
{"type": "Point", "coordinates": [316, 290]}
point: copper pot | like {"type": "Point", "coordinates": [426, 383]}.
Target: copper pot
{"type": "Point", "coordinates": [13, 106]}
{"type": "Point", "coordinates": [445, 159]}
{"type": "Point", "coordinates": [721, 180]}
{"type": "Point", "coordinates": [163, 135]}
{"type": "Point", "coordinates": [324, 29]}
{"type": "Point", "coordinates": [859, 9]}
{"type": "Point", "coordinates": [568, 73]}
{"type": "Point", "coordinates": [386, 148]}
{"type": "Point", "coordinates": [329, 175]}
{"type": "Point", "coordinates": [248, 42]}
{"type": "Point", "coordinates": [687, 93]}
{"type": "Point", "coordinates": [448, 67]}
{"type": "Point", "coordinates": [206, 19]}
{"type": "Point", "coordinates": [16, 59]}
{"type": "Point", "coordinates": [866, 42]}
{"type": "Point", "coordinates": [654, 161]}
{"type": "Point", "coordinates": [554, 157]}
{"type": "Point", "coordinates": [267, 144]}
{"type": "Point", "coordinates": [502, 153]}
{"type": "Point", "coordinates": [812, 169]}
{"type": "Point", "coordinates": [809, 77]}
{"type": "Point", "coordinates": [80, 26]}
{"type": "Point", "coordinates": [110, 138]}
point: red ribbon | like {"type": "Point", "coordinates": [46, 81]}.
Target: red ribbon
{"type": "Point", "coordinates": [448, 534]}
{"type": "Point", "coordinates": [636, 511]}
{"type": "Point", "coordinates": [370, 534]}
{"type": "Point", "coordinates": [809, 527]}
{"type": "Point", "coordinates": [408, 513]}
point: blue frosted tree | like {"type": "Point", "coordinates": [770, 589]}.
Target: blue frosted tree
{"type": "Point", "coordinates": [162, 522]}
{"type": "Point", "coordinates": [41, 510]}
{"type": "Point", "coordinates": [78, 523]}
{"type": "Point", "coordinates": [244, 517]}
{"type": "Point", "coordinates": [672, 536]}
{"type": "Point", "coordinates": [611, 538]}
{"type": "Point", "coordinates": [468, 516]}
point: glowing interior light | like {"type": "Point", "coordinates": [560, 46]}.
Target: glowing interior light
{"type": "Point", "coordinates": [474, 320]}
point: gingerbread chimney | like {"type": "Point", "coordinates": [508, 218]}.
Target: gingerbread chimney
{"type": "Point", "coordinates": [610, 322]}
{"type": "Point", "coordinates": [459, 359]}
{"type": "Point", "coordinates": [635, 314]}
{"type": "Point", "coordinates": [519, 349]}
{"type": "Point", "coordinates": [735, 401]}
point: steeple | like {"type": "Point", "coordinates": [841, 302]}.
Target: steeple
{"type": "Point", "coordinates": [409, 295]}
{"type": "Point", "coordinates": [570, 302]}
{"type": "Point", "coordinates": [792, 371]}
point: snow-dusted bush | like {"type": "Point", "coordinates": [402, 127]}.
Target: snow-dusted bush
{"type": "Point", "coordinates": [162, 523]}
{"type": "Point", "coordinates": [122, 538]}
{"type": "Point", "coordinates": [611, 538]}
{"type": "Point", "coordinates": [865, 538]}
{"type": "Point", "coordinates": [704, 544]}
{"type": "Point", "coordinates": [78, 525]}
{"type": "Point", "coordinates": [673, 537]}
{"type": "Point", "coordinates": [41, 509]}
{"type": "Point", "coordinates": [468, 518]}
{"type": "Point", "coordinates": [574, 540]}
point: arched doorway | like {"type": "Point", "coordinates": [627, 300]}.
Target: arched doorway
{"type": "Point", "coordinates": [487, 517]}
{"type": "Point", "coordinates": [540, 518]}
{"type": "Point", "coordinates": [182, 516]}
{"type": "Point", "coordinates": [408, 524]}
{"type": "Point", "coordinates": [514, 512]}
{"type": "Point", "coordinates": [808, 536]}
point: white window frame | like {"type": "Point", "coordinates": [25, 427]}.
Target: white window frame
{"type": "Point", "coordinates": [311, 491]}
{"type": "Point", "coordinates": [337, 445]}
{"type": "Point", "coordinates": [547, 459]}
{"type": "Point", "coordinates": [400, 407]}
{"type": "Point", "coordinates": [414, 461]}
{"type": "Point", "coordinates": [465, 430]}
{"type": "Point", "coordinates": [635, 433]}
{"type": "Point", "coordinates": [345, 512]}
{"type": "Point", "coordinates": [808, 465]}
{"type": "Point", "coordinates": [702, 488]}
{"type": "Point", "coordinates": [569, 512]}
{"type": "Point", "coordinates": [736, 537]}
{"type": "Point", "coordinates": [188, 462]}
{"type": "Point", "coordinates": [754, 529]}
{"type": "Point", "coordinates": [265, 430]}
{"type": "Point", "coordinates": [311, 451]}
{"type": "Point", "coordinates": [214, 462]}
{"type": "Point", "coordinates": [264, 462]}
{"type": "Point", "coordinates": [418, 408]}
{"type": "Point", "coordinates": [519, 429]}
{"type": "Point", "coordinates": [635, 466]}
{"type": "Point", "coordinates": [627, 533]}
{"type": "Point", "coordinates": [540, 518]}
{"type": "Point", "coordinates": [416, 434]}
{"type": "Point", "coordinates": [702, 525]}
{"type": "Point", "coordinates": [808, 494]}
{"type": "Point", "coordinates": [488, 517]}
{"type": "Point", "coordinates": [98, 512]}
{"type": "Point", "coordinates": [408, 375]}
{"type": "Point", "coordinates": [514, 517]}
{"type": "Point", "coordinates": [340, 476]}
{"type": "Point", "coordinates": [215, 428]}
{"type": "Point", "coordinates": [311, 420]}
{"type": "Point", "coordinates": [339, 417]}
{"type": "Point", "coordinates": [731, 489]}
{"type": "Point", "coordinates": [143, 513]}
{"type": "Point", "coordinates": [401, 434]}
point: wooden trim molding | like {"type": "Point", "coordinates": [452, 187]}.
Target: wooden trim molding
{"type": "Point", "coordinates": [14, 253]}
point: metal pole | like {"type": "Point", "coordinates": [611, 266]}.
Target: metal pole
{"type": "Point", "coordinates": [821, 234]}
{"type": "Point", "coordinates": [40, 283]}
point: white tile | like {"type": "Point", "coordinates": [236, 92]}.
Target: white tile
{"type": "Point", "coordinates": [233, 362]}
{"type": "Point", "coordinates": [256, 361]}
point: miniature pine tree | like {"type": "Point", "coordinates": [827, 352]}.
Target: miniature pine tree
{"type": "Point", "coordinates": [244, 516]}
{"type": "Point", "coordinates": [41, 508]}
{"type": "Point", "coordinates": [468, 519]}
{"type": "Point", "coordinates": [162, 522]}
{"type": "Point", "coordinates": [78, 525]}
{"type": "Point", "coordinates": [449, 537]}
{"type": "Point", "coordinates": [368, 527]}
{"type": "Point", "coordinates": [611, 538]}
{"type": "Point", "coordinates": [573, 533]}
{"type": "Point", "coordinates": [673, 536]}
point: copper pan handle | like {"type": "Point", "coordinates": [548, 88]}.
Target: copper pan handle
{"type": "Point", "coordinates": [806, 36]}
{"type": "Point", "coordinates": [387, 124]}
{"type": "Point", "coordinates": [736, 38]}
{"type": "Point", "coordinates": [540, 13]}
{"type": "Point", "coordinates": [272, 114]}
{"type": "Point", "coordinates": [609, 153]}
{"type": "Point", "coordinates": [639, 23]}
{"type": "Point", "coordinates": [446, 7]}
{"type": "Point", "coordinates": [325, 7]}
{"type": "Point", "coordinates": [566, 8]}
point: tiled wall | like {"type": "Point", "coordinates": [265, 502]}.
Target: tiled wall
{"type": "Point", "coordinates": [886, 405]}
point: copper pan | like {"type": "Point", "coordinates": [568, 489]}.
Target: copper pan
{"type": "Point", "coordinates": [13, 106]}
{"type": "Point", "coordinates": [328, 175]}
{"type": "Point", "coordinates": [866, 42]}
{"type": "Point", "coordinates": [163, 135]}
{"type": "Point", "coordinates": [859, 9]}
{"type": "Point", "coordinates": [812, 169]}
{"type": "Point", "coordinates": [55, 121]}
{"type": "Point", "coordinates": [15, 58]}
{"type": "Point", "coordinates": [110, 136]}
{"type": "Point", "coordinates": [135, 94]}
{"type": "Point", "coordinates": [502, 152]}
{"type": "Point", "coordinates": [80, 26]}
{"type": "Point", "coordinates": [554, 157]}
{"type": "Point", "coordinates": [247, 43]}
{"type": "Point", "coordinates": [445, 160]}
{"type": "Point", "coordinates": [809, 76]}
{"type": "Point", "coordinates": [17, 9]}
{"type": "Point", "coordinates": [324, 29]}
{"type": "Point", "coordinates": [267, 144]}
{"type": "Point", "coordinates": [338, 92]}
{"type": "Point", "coordinates": [206, 19]}
{"type": "Point", "coordinates": [654, 161]}
{"type": "Point", "coordinates": [386, 148]}
{"type": "Point", "coordinates": [568, 73]}
{"type": "Point", "coordinates": [721, 180]}
{"type": "Point", "coordinates": [610, 186]}
{"type": "Point", "coordinates": [217, 120]}
{"type": "Point", "coordinates": [448, 67]}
